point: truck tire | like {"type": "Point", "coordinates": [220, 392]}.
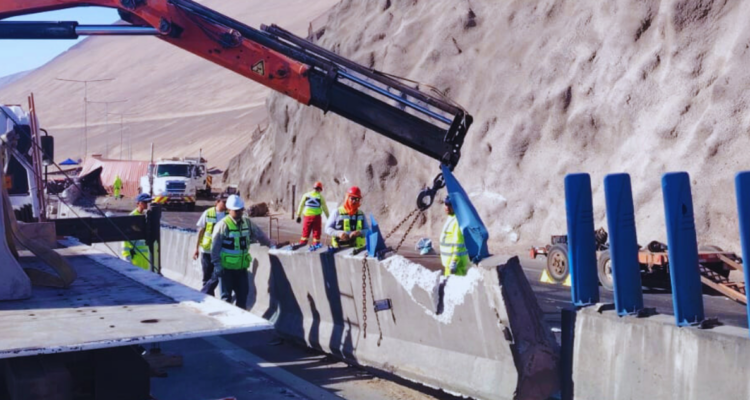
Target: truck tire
{"type": "Point", "coordinates": [604, 266]}
{"type": "Point", "coordinates": [557, 263]}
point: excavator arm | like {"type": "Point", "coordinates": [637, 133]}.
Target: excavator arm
{"type": "Point", "coordinates": [427, 122]}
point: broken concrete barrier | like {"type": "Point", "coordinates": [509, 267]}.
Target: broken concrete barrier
{"type": "Point", "coordinates": [489, 341]}
{"type": "Point", "coordinates": [621, 358]}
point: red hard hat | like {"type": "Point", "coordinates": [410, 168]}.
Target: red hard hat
{"type": "Point", "coordinates": [318, 185]}
{"type": "Point", "coordinates": [354, 191]}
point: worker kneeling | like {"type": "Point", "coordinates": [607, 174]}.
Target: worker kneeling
{"type": "Point", "coordinates": [230, 251]}
{"type": "Point", "coordinates": [136, 252]}
{"type": "Point", "coordinates": [453, 251]}
{"type": "Point", "coordinates": [348, 226]}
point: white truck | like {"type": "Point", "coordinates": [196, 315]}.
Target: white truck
{"type": "Point", "coordinates": [177, 181]}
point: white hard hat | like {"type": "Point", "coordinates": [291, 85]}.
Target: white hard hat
{"type": "Point", "coordinates": [234, 202]}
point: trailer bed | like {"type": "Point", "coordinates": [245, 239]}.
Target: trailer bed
{"type": "Point", "coordinates": [112, 304]}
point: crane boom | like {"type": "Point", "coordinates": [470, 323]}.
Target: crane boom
{"type": "Point", "coordinates": [276, 58]}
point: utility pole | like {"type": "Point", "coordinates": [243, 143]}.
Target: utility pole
{"type": "Point", "coordinates": [121, 129]}
{"type": "Point", "coordinates": [106, 118]}
{"type": "Point", "coordinates": [85, 107]}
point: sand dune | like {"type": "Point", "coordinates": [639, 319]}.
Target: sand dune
{"type": "Point", "coordinates": [181, 102]}
{"type": "Point", "coordinates": [643, 87]}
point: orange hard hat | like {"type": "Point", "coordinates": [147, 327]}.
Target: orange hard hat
{"type": "Point", "coordinates": [318, 185]}
{"type": "Point", "coordinates": [354, 191]}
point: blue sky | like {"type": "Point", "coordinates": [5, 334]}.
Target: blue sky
{"type": "Point", "coordinates": [23, 55]}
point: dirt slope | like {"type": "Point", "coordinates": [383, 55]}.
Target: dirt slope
{"type": "Point", "coordinates": [182, 103]}
{"type": "Point", "coordinates": [643, 87]}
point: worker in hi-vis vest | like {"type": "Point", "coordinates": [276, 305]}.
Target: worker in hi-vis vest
{"type": "Point", "coordinates": [117, 187]}
{"type": "Point", "coordinates": [230, 251]}
{"type": "Point", "coordinates": [206, 224]}
{"type": "Point", "coordinates": [347, 226]}
{"type": "Point", "coordinates": [136, 251]}
{"type": "Point", "coordinates": [453, 253]}
{"type": "Point", "coordinates": [309, 213]}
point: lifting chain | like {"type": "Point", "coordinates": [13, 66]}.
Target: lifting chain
{"type": "Point", "coordinates": [365, 276]}
{"type": "Point", "coordinates": [415, 214]}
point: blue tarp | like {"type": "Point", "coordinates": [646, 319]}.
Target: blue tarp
{"type": "Point", "coordinates": [68, 162]}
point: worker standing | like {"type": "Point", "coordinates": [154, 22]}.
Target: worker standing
{"type": "Point", "coordinates": [347, 226]}
{"type": "Point", "coordinates": [453, 253]}
{"type": "Point", "coordinates": [117, 186]}
{"type": "Point", "coordinates": [136, 251]}
{"type": "Point", "coordinates": [311, 207]}
{"type": "Point", "coordinates": [206, 224]}
{"type": "Point", "coordinates": [230, 251]}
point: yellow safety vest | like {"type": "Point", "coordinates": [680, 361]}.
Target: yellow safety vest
{"type": "Point", "coordinates": [210, 223]}
{"type": "Point", "coordinates": [453, 248]}
{"type": "Point", "coordinates": [344, 223]}
{"type": "Point", "coordinates": [313, 204]}
{"type": "Point", "coordinates": [137, 250]}
{"type": "Point", "coordinates": [234, 246]}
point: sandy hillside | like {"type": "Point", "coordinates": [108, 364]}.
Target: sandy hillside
{"type": "Point", "coordinates": [556, 87]}
{"type": "Point", "coordinates": [181, 102]}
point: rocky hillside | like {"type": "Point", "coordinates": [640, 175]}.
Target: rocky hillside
{"type": "Point", "coordinates": [555, 86]}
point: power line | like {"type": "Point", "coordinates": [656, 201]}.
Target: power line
{"type": "Point", "coordinates": [85, 107]}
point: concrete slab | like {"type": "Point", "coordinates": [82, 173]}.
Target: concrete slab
{"type": "Point", "coordinates": [112, 304]}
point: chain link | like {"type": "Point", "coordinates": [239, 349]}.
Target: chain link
{"type": "Point", "coordinates": [364, 296]}
{"type": "Point", "coordinates": [367, 276]}
{"type": "Point", "coordinates": [416, 210]}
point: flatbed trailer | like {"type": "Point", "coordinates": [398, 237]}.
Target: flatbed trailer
{"type": "Point", "coordinates": [87, 337]}
{"type": "Point", "coordinates": [716, 266]}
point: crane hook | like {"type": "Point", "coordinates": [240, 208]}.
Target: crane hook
{"type": "Point", "coordinates": [427, 195]}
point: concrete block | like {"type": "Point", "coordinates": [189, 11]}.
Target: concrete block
{"type": "Point", "coordinates": [488, 343]}
{"type": "Point", "coordinates": [622, 358]}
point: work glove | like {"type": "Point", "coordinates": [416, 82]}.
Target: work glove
{"type": "Point", "coordinates": [299, 220]}
{"type": "Point", "coordinates": [218, 272]}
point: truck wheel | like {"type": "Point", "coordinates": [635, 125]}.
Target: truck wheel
{"type": "Point", "coordinates": [604, 265]}
{"type": "Point", "coordinates": [191, 207]}
{"type": "Point", "coordinates": [557, 263]}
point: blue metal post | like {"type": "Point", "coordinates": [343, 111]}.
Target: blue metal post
{"type": "Point", "coordinates": [581, 244]}
{"type": "Point", "coordinates": [623, 244]}
{"type": "Point", "coordinates": [687, 293]}
{"type": "Point", "coordinates": [742, 186]}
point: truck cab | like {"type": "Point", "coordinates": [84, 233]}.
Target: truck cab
{"type": "Point", "coordinates": [176, 182]}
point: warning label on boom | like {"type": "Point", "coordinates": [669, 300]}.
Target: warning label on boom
{"type": "Point", "coordinates": [259, 67]}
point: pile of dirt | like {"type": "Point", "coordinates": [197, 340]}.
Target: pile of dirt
{"type": "Point", "coordinates": [555, 87]}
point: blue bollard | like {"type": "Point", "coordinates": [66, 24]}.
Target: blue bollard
{"type": "Point", "coordinates": [687, 293]}
{"type": "Point", "coordinates": [581, 243]}
{"type": "Point", "coordinates": [742, 186]}
{"type": "Point", "coordinates": [623, 244]}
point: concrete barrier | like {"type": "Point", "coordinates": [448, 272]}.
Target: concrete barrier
{"type": "Point", "coordinates": [619, 358]}
{"type": "Point", "coordinates": [489, 342]}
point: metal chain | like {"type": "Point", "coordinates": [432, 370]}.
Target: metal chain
{"type": "Point", "coordinates": [366, 274]}
{"type": "Point", "coordinates": [403, 238]}
{"type": "Point", "coordinates": [364, 297]}
{"type": "Point", "coordinates": [401, 223]}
